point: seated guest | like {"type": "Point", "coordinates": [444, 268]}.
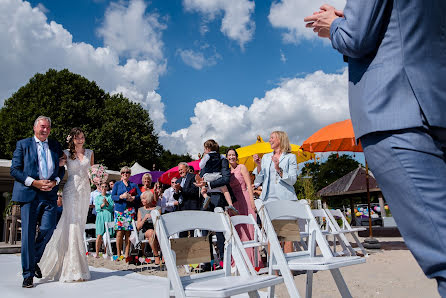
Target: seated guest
{"type": "Point", "coordinates": [167, 202]}
{"type": "Point", "coordinates": [59, 204]}
{"type": "Point", "coordinates": [104, 213]}
{"type": "Point", "coordinates": [146, 183]}
{"type": "Point", "coordinates": [111, 183]}
{"type": "Point", "coordinates": [144, 223]}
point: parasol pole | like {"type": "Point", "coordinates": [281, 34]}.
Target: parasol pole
{"type": "Point", "coordinates": [368, 198]}
{"type": "Point", "coordinates": [369, 242]}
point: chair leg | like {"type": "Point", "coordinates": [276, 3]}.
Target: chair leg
{"type": "Point", "coordinates": [340, 283]}
{"type": "Point", "coordinates": [271, 292]}
{"type": "Point", "coordinates": [364, 252]}
{"type": "Point", "coordinates": [253, 294]}
{"type": "Point", "coordinates": [309, 289]}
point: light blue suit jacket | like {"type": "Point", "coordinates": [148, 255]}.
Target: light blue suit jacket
{"type": "Point", "coordinates": [285, 187]}
{"type": "Point", "coordinates": [396, 53]}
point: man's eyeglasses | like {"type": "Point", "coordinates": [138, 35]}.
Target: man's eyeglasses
{"type": "Point", "coordinates": [125, 173]}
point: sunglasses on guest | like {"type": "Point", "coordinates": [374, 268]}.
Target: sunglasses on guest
{"type": "Point", "coordinates": [125, 173]}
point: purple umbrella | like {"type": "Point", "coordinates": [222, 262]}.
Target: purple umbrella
{"type": "Point", "coordinates": [138, 177]}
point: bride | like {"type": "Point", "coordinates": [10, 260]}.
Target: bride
{"type": "Point", "coordinates": [64, 258]}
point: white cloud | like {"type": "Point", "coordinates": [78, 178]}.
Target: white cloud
{"type": "Point", "coordinates": [31, 44]}
{"type": "Point", "coordinates": [290, 14]}
{"type": "Point", "coordinates": [236, 23]}
{"type": "Point", "coordinates": [131, 32]}
{"type": "Point", "coordinates": [282, 57]}
{"type": "Point", "coordinates": [197, 59]}
{"type": "Point", "coordinates": [43, 8]}
{"type": "Point", "coordinates": [299, 106]}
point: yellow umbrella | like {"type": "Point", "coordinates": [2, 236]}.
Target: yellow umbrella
{"type": "Point", "coordinates": [260, 147]}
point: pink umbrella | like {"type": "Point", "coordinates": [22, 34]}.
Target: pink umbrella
{"type": "Point", "coordinates": [173, 172]}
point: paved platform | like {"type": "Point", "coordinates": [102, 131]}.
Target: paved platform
{"type": "Point", "coordinates": [103, 283]}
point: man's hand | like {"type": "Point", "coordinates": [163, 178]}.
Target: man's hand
{"type": "Point", "coordinates": [44, 185]}
{"type": "Point", "coordinates": [321, 20]}
{"type": "Point", "coordinates": [177, 187]}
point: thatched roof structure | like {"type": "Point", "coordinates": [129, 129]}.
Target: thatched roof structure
{"type": "Point", "coordinates": [350, 184]}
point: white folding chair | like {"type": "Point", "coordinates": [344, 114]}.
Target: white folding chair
{"type": "Point", "coordinates": [108, 240]}
{"type": "Point", "coordinates": [346, 228]}
{"type": "Point", "coordinates": [88, 239]}
{"type": "Point", "coordinates": [328, 229]}
{"type": "Point", "coordinates": [280, 219]}
{"type": "Point", "coordinates": [259, 240]}
{"type": "Point", "coordinates": [176, 252]}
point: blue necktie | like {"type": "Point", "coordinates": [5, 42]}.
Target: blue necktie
{"type": "Point", "coordinates": [44, 161]}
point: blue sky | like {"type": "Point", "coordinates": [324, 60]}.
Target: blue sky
{"type": "Point", "coordinates": [223, 69]}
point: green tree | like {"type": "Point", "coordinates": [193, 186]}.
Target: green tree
{"type": "Point", "coordinates": [169, 160]}
{"type": "Point", "coordinates": [224, 148]}
{"type": "Point", "coordinates": [323, 174]}
{"type": "Point", "coordinates": [119, 131]}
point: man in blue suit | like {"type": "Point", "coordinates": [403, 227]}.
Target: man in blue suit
{"type": "Point", "coordinates": [35, 167]}
{"type": "Point", "coordinates": [396, 52]}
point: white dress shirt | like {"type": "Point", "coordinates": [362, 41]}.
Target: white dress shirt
{"type": "Point", "coordinates": [49, 162]}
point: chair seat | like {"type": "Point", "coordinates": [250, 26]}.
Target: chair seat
{"type": "Point", "coordinates": [229, 285]}
{"type": "Point", "coordinates": [322, 263]}
{"type": "Point", "coordinates": [352, 230]}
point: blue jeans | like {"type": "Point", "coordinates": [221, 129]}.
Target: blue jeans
{"type": "Point", "coordinates": [410, 168]}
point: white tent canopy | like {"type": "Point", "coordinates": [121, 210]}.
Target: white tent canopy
{"type": "Point", "coordinates": [138, 169]}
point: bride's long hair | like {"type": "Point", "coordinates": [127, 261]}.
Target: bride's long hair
{"type": "Point", "coordinates": [70, 140]}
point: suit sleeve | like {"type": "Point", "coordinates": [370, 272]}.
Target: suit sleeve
{"type": "Point", "coordinates": [17, 163]}
{"type": "Point", "coordinates": [189, 188]}
{"type": "Point", "coordinates": [359, 33]}
{"type": "Point", "coordinates": [225, 175]}
{"type": "Point", "coordinates": [260, 176]}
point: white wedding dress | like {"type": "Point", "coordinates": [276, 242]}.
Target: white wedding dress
{"type": "Point", "coordinates": [65, 258]}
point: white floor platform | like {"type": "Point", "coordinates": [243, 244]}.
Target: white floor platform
{"type": "Point", "coordinates": [104, 283]}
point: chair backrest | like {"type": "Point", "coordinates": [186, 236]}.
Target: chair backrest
{"type": "Point", "coordinates": [300, 211]}
{"type": "Point", "coordinates": [259, 235]}
{"type": "Point", "coordinates": [338, 213]}
{"type": "Point", "coordinates": [325, 221]}
{"type": "Point", "coordinates": [171, 223]}
{"type": "Point", "coordinates": [180, 221]}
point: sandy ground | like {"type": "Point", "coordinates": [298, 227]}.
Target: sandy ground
{"type": "Point", "coordinates": [388, 272]}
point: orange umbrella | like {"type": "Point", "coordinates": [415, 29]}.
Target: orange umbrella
{"type": "Point", "coordinates": [338, 136]}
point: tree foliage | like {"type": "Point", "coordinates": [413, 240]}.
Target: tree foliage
{"type": "Point", "coordinates": [323, 174]}
{"type": "Point", "coordinates": [119, 131]}
{"type": "Point", "coordinates": [224, 148]}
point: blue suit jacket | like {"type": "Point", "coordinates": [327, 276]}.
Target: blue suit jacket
{"type": "Point", "coordinates": [26, 163]}
{"type": "Point", "coordinates": [285, 189]}
{"type": "Point", "coordinates": [396, 53]}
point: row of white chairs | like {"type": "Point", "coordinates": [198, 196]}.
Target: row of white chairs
{"type": "Point", "coordinates": [108, 240]}
{"type": "Point", "coordinates": [281, 221]}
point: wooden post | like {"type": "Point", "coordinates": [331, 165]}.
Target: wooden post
{"type": "Point", "coordinates": [381, 205]}
{"type": "Point", "coordinates": [368, 198]}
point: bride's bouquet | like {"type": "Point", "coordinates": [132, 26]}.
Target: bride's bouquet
{"type": "Point", "coordinates": [97, 174]}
